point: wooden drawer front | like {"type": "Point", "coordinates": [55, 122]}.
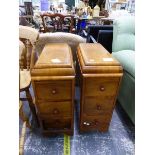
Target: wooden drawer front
{"type": "Point", "coordinates": [97, 106]}
{"type": "Point", "coordinates": [57, 124]}
{"type": "Point", "coordinates": [55, 90]}
{"type": "Point", "coordinates": [55, 108]}
{"type": "Point", "coordinates": [101, 86]}
{"type": "Point", "coordinates": [90, 122]}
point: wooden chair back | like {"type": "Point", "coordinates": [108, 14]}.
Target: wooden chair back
{"type": "Point", "coordinates": [58, 22]}
{"type": "Point", "coordinates": [28, 36]}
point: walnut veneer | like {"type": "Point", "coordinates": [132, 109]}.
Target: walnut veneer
{"type": "Point", "coordinates": [53, 81]}
{"type": "Point", "coordinates": [100, 79]}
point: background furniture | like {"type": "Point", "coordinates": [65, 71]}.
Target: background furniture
{"type": "Point", "coordinates": [28, 37]}
{"type": "Point", "coordinates": [26, 11]}
{"type": "Point", "coordinates": [86, 21]}
{"type": "Point", "coordinates": [24, 22]}
{"type": "Point", "coordinates": [100, 79]}
{"type": "Point", "coordinates": [102, 34]}
{"type": "Point", "coordinates": [93, 30]}
{"type": "Point", "coordinates": [28, 8]}
{"type": "Point", "coordinates": [72, 40]}
{"type": "Point", "coordinates": [124, 51]}
{"type": "Point", "coordinates": [70, 3]}
{"type": "Point", "coordinates": [93, 3]}
{"type": "Point", "coordinates": [105, 38]}
{"type": "Point", "coordinates": [57, 22]}
{"type": "Point", "coordinates": [26, 15]}
{"type": "Point", "coordinates": [117, 5]}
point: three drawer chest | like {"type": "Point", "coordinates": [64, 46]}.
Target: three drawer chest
{"type": "Point", "coordinates": [53, 78]}
{"type": "Point", "coordinates": [100, 76]}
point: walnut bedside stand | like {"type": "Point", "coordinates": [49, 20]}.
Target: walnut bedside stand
{"type": "Point", "coordinates": [53, 78]}
{"type": "Point", "coordinates": [100, 79]}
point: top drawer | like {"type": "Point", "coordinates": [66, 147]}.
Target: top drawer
{"type": "Point", "coordinates": [102, 86]}
{"type": "Point", "coordinates": [53, 90]}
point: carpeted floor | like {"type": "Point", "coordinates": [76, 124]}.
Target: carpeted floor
{"type": "Point", "coordinates": [119, 140]}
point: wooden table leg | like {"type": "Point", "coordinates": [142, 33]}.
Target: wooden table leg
{"type": "Point", "coordinates": [22, 139]}
{"type": "Point", "coordinates": [32, 107]}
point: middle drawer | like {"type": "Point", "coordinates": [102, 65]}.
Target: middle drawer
{"type": "Point", "coordinates": [55, 108]}
{"type": "Point", "coordinates": [98, 106]}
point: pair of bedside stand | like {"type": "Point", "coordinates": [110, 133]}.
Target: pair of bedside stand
{"type": "Point", "coordinates": [53, 81]}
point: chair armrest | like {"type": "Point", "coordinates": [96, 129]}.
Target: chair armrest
{"type": "Point", "coordinates": [92, 40]}
{"type": "Point", "coordinates": [84, 33]}
{"type": "Point", "coordinates": [127, 60]}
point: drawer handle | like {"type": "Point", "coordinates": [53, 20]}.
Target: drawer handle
{"type": "Point", "coordinates": [85, 123]}
{"type": "Point", "coordinates": [102, 88]}
{"type": "Point", "coordinates": [54, 91]}
{"type": "Point", "coordinates": [98, 107]}
{"type": "Point", "coordinates": [55, 111]}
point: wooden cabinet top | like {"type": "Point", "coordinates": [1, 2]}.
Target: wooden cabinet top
{"type": "Point", "coordinates": [55, 56]}
{"type": "Point", "coordinates": [94, 58]}
{"type": "Point", "coordinates": [55, 59]}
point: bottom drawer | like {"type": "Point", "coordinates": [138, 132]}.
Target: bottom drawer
{"type": "Point", "coordinates": [57, 124]}
{"type": "Point", "coordinates": [95, 123]}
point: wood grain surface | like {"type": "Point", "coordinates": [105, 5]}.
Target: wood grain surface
{"type": "Point", "coordinates": [53, 84]}
{"type": "Point", "coordinates": [100, 82]}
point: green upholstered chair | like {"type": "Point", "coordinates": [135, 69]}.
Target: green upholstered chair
{"type": "Point", "coordinates": [123, 49]}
